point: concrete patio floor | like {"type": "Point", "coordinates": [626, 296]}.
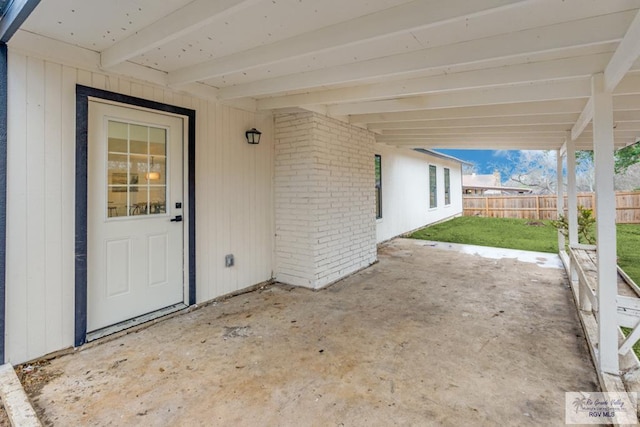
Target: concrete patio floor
{"type": "Point", "coordinates": [424, 337]}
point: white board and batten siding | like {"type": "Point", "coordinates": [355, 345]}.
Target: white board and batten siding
{"type": "Point", "coordinates": [233, 194]}
{"type": "Point", "coordinates": [405, 191]}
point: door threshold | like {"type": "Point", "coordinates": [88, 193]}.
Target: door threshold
{"type": "Point", "coordinates": [118, 327]}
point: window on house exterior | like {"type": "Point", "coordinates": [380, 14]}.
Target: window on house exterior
{"type": "Point", "coordinates": [447, 186]}
{"type": "Point", "coordinates": [378, 186]}
{"type": "Point", "coordinates": [433, 187]}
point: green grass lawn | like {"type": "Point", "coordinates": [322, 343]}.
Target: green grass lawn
{"type": "Point", "coordinates": [495, 232]}
{"type": "Point", "coordinates": [516, 234]}
{"type": "Point", "coordinates": [629, 250]}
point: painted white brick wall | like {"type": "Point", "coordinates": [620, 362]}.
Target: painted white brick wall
{"type": "Point", "coordinates": [324, 199]}
{"type": "Point", "coordinates": [293, 183]}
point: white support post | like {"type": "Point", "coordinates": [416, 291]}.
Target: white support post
{"type": "Point", "coordinates": [605, 226]}
{"type": "Point", "coordinates": [560, 195]}
{"type": "Point", "coordinates": [584, 303]}
{"type": "Point", "coordinates": [572, 192]}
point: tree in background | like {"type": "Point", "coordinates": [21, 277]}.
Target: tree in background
{"type": "Point", "coordinates": [626, 167]}
{"type": "Point", "coordinates": [531, 169]}
{"type": "Point", "coordinates": [626, 157]}
{"type": "Point", "coordinates": [469, 168]}
{"type": "Point", "coordinates": [536, 170]}
{"type": "Point", "coordinates": [585, 171]}
{"type": "Point", "coordinates": [629, 180]}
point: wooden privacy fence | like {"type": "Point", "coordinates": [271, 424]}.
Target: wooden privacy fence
{"type": "Point", "coordinates": [545, 206]}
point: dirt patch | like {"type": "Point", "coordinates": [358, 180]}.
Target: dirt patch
{"type": "Point", "coordinates": [35, 375]}
{"type": "Point", "coordinates": [4, 418]}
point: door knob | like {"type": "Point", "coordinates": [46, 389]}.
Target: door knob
{"type": "Point", "coordinates": [178, 218]}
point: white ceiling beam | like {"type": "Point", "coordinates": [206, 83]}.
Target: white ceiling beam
{"type": "Point", "coordinates": [49, 49]}
{"type": "Point", "coordinates": [545, 147]}
{"type": "Point", "coordinates": [404, 18]}
{"type": "Point", "coordinates": [587, 143]}
{"type": "Point", "coordinates": [627, 115]}
{"type": "Point", "coordinates": [541, 91]}
{"type": "Point", "coordinates": [530, 134]}
{"type": "Point", "coordinates": [451, 133]}
{"type": "Point", "coordinates": [510, 144]}
{"type": "Point", "coordinates": [583, 120]}
{"type": "Point", "coordinates": [499, 135]}
{"type": "Point", "coordinates": [628, 134]}
{"type": "Point", "coordinates": [563, 150]}
{"type": "Point", "coordinates": [513, 144]}
{"type": "Point", "coordinates": [537, 91]}
{"type": "Point", "coordinates": [59, 52]}
{"type": "Point", "coordinates": [490, 144]}
{"type": "Point", "coordinates": [582, 66]}
{"type": "Point", "coordinates": [629, 85]}
{"type": "Point", "coordinates": [573, 106]}
{"type": "Point", "coordinates": [553, 129]}
{"type": "Point", "coordinates": [478, 130]}
{"type": "Point", "coordinates": [183, 21]}
{"type": "Point", "coordinates": [497, 142]}
{"type": "Point", "coordinates": [472, 137]}
{"type": "Point", "coordinates": [408, 138]}
{"type": "Point", "coordinates": [625, 127]}
{"type": "Point", "coordinates": [624, 57]}
{"type": "Point", "coordinates": [513, 45]}
{"type": "Point", "coordinates": [479, 122]}
{"type": "Point", "coordinates": [621, 62]}
{"type": "Point", "coordinates": [619, 142]}
{"type": "Point", "coordinates": [626, 103]}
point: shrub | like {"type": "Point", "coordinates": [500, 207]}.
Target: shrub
{"type": "Point", "coordinates": [586, 222]}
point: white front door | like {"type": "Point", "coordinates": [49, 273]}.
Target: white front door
{"type": "Point", "coordinates": [135, 204]}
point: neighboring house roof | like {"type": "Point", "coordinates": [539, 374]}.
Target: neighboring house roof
{"type": "Point", "coordinates": [481, 181]}
{"type": "Point", "coordinates": [499, 189]}
{"type": "Point", "coordinates": [489, 184]}
{"type": "Point", "coordinates": [441, 156]}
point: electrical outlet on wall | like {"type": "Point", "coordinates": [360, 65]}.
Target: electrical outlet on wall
{"type": "Point", "coordinates": [228, 260]}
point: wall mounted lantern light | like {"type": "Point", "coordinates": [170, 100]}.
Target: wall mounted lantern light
{"type": "Point", "coordinates": [253, 136]}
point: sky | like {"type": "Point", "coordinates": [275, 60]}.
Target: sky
{"type": "Point", "coordinates": [485, 160]}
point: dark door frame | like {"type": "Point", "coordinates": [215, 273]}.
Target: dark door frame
{"type": "Point", "coordinates": [3, 194]}
{"type": "Point", "coordinates": [82, 118]}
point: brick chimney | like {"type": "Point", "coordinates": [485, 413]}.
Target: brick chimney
{"type": "Point", "coordinates": [496, 178]}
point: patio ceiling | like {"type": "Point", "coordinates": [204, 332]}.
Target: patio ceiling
{"type": "Point", "coordinates": [426, 73]}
